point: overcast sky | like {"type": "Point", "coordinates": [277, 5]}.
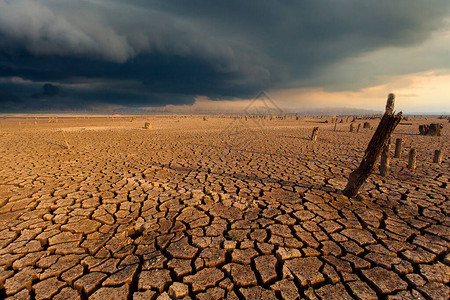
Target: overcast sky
{"type": "Point", "coordinates": [76, 54]}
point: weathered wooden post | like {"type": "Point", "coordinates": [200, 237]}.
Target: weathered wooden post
{"type": "Point", "coordinates": [351, 127]}
{"type": "Point", "coordinates": [378, 142]}
{"type": "Point", "coordinates": [148, 125]}
{"type": "Point", "coordinates": [335, 125]}
{"type": "Point", "coordinates": [359, 126]}
{"type": "Point", "coordinates": [412, 159]}
{"type": "Point", "coordinates": [437, 156]}
{"type": "Point", "coordinates": [366, 125]}
{"type": "Point", "coordinates": [385, 159]}
{"type": "Point", "coordinates": [423, 129]}
{"type": "Point", "coordinates": [398, 148]}
{"type": "Point", "coordinates": [436, 129]}
{"type": "Point", "coordinates": [314, 134]}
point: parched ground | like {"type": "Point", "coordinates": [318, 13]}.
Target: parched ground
{"type": "Point", "coordinates": [217, 208]}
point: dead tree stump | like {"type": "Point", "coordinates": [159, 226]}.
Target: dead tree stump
{"type": "Point", "coordinates": [385, 160]}
{"type": "Point", "coordinates": [398, 148]}
{"type": "Point", "coordinates": [412, 159]}
{"type": "Point", "coordinates": [314, 134]}
{"type": "Point", "coordinates": [376, 145]}
{"type": "Point", "coordinates": [431, 129]}
{"type": "Point", "coordinates": [436, 129]}
{"type": "Point", "coordinates": [437, 157]}
{"type": "Point", "coordinates": [423, 129]}
{"type": "Point", "coordinates": [148, 125]}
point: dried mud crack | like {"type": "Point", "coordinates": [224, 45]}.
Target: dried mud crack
{"type": "Point", "coordinates": [176, 212]}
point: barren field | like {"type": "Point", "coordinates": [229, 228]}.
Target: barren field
{"type": "Point", "coordinates": [101, 208]}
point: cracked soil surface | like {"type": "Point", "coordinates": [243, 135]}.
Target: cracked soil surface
{"type": "Point", "coordinates": [217, 208]}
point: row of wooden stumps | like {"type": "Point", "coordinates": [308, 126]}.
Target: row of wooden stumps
{"type": "Point", "coordinates": [385, 156]}
{"type": "Point", "coordinates": [352, 127]}
{"type": "Point", "coordinates": [437, 158]}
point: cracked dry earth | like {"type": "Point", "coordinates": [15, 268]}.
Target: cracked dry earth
{"type": "Point", "coordinates": [215, 209]}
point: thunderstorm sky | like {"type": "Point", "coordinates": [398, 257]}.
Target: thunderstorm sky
{"type": "Point", "coordinates": [110, 55]}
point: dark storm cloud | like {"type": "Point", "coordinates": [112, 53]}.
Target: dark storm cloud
{"type": "Point", "coordinates": [48, 91]}
{"type": "Point", "coordinates": [173, 51]}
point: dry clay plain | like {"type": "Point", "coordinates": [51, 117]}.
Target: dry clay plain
{"type": "Point", "coordinates": [101, 208]}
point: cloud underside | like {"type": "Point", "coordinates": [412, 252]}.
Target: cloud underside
{"type": "Point", "coordinates": [142, 53]}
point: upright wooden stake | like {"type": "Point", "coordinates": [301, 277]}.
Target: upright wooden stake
{"type": "Point", "coordinates": [437, 157]}
{"type": "Point", "coordinates": [412, 159]}
{"type": "Point", "coordinates": [65, 140]}
{"type": "Point", "coordinates": [385, 160]}
{"type": "Point", "coordinates": [335, 124]}
{"type": "Point", "coordinates": [398, 148]}
{"type": "Point", "coordinates": [376, 145]}
{"type": "Point", "coordinates": [359, 126]}
{"type": "Point", "coordinates": [314, 134]}
{"type": "Point", "coordinates": [351, 127]}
